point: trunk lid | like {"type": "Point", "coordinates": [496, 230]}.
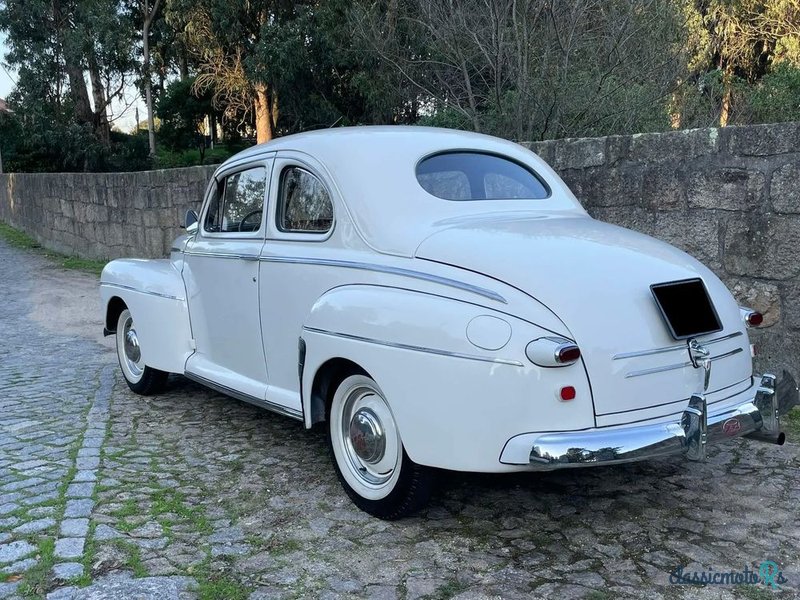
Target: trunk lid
{"type": "Point", "coordinates": [596, 277]}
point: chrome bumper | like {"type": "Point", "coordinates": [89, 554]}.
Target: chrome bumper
{"type": "Point", "coordinates": [758, 419]}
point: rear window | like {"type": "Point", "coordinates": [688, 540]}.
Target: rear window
{"type": "Point", "coordinates": [478, 176]}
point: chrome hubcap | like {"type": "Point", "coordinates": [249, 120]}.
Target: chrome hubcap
{"type": "Point", "coordinates": [132, 350]}
{"type": "Point", "coordinates": [367, 436]}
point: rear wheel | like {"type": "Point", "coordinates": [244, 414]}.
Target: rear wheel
{"type": "Point", "coordinates": [368, 452]}
{"type": "Point", "coordinates": [140, 378]}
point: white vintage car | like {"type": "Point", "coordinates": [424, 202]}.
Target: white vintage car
{"type": "Point", "coordinates": [440, 299]}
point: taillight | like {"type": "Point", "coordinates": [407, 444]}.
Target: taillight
{"type": "Point", "coordinates": [751, 318]}
{"type": "Point", "coordinates": [567, 393]}
{"type": "Point", "coordinates": [754, 319]}
{"type": "Point", "coordinates": [568, 354]}
{"type": "Point", "coordinates": [552, 352]}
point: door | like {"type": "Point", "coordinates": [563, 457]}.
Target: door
{"type": "Point", "coordinates": [221, 272]}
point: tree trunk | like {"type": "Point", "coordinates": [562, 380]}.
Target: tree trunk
{"type": "Point", "coordinates": [102, 129]}
{"type": "Point", "coordinates": [148, 85]}
{"type": "Point", "coordinates": [263, 106]}
{"type": "Point", "coordinates": [725, 111]}
{"type": "Point", "coordinates": [79, 94]}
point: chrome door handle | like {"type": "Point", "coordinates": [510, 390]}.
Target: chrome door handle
{"type": "Point", "coordinates": [251, 257]}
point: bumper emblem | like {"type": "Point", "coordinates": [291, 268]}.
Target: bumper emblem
{"type": "Point", "coordinates": [731, 427]}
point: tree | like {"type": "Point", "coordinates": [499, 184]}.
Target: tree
{"type": "Point", "coordinates": [224, 36]}
{"type": "Point", "coordinates": [533, 69]}
{"type": "Point", "coordinates": [182, 113]}
{"type": "Point", "coordinates": [735, 44]}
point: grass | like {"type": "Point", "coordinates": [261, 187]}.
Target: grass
{"type": "Point", "coordinates": [36, 580]}
{"type": "Point", "coordinates": [791, 423]}
{"type": "Point", "coordinates": [134, 557]}
{"type": "Point", "coordinates": [754, 592]}
{"type": "Point", "coordinates": [217, 589]}
{"type": "Point", "coordinates": [19, 239]}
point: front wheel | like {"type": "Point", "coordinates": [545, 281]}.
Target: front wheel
{"type": "Point", "coordinates": [368, 453]}
{"type": "Point", "coordinates": [140, 378]}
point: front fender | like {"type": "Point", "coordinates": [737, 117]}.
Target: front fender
{"type": "Point", "coordinates": [154, 293]}
{"type": "Point", "coordinates": [454, 373]}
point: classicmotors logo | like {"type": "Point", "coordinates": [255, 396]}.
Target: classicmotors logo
{"type": "Point", "coordinates": [768, 574]}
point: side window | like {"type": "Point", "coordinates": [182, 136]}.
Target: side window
{"type": "Point", "coordinates": [303, 203]}
{"type": "Point", "coordinates": [238, 203]}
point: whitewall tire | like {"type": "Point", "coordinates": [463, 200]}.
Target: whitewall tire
{"type": "Point", "coordinates": [368, 453]}
{"type": "Point", "coordinates": [139, 377]}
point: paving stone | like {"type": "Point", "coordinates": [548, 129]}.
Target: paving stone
{"type": "Point", "coordinates": [74, 527]}
{"type": "Point", "coordinates": [122, 585]}
{"type": "Point", "coordinates": [80, 490]}
{"type": "Point", "coordinates": [8, 589]}
{"type": "Point", "coordinates": [20, 566]}
{"type": "Point", "coordinates": [14, 551]}
{"type": "Point", "coordinates": [69, 570]}
{"type": "Point", "coordinates": [103, 532]}
{"type": "Point", "coordinates": [82, 476]}
{"type": "Point", "coordinates": [69, 547]}
{"type": "Point", "coordinates": [230, 550]}
{"type": "Point", "coordinates": [42, 511]}
{"type": "Point", "coordinates": [34, 526]}
{"type": "Point", "coordinates": [21, 484]}
{"type": "Point", "coordinates": [87, 463]}
{"type": "Point", "coordinates": [79, 508]}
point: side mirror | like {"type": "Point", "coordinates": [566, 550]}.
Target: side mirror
{"type": "Point", "coordinates": [190, 221]}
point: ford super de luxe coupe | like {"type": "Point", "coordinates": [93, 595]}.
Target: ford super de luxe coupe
{"type": "Point", "coordinates": [440, 299]}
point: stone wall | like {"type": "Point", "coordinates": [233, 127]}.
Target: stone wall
{"type": "Point", "coordinates": [730, 197]}
{"type": "Point", "coordinates": [103, 215]}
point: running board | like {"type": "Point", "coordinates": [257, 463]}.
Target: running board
{"type": "Point", "coordinates": [261, 403]}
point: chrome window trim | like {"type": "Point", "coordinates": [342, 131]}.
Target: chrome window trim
{"type": "Point", "coordinates": [346, 264]}
{"type": "Point", "coordinates": [673, 348]}
{"type": "Point", "coordinates": [133, 289]}
{"type": "Point", "coordinates": [316, 233]}
{"type": "Point", "coordinates": [400, 346]}
{"type": "Point", "coordinates": [262, 403]}
{"type": "Point", "coordinates": [260, 162]}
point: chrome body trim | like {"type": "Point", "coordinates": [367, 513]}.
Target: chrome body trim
{"type": "Point", "coordinates": [252, 257]}
{"type": "Point", "coordinates": [673, 348]}
{"type": "Point", "coordinates": [133, 289]}
{"type": "Point", "coordinates": [346, 264]}
{"type": "Point", "coordinates": [358, 338]}
{"type": "Point", "coordinates": [757, 417]}
{"type": "Point", "coordinates": [223, 389]}
{"type": "Point", "coordinates": [682, 365]}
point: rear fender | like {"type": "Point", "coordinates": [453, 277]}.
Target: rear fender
{"type": "Point", "coordinates": [456, 401]}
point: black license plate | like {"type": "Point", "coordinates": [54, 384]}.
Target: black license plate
{"type": "Point", "coordinates": [686, 308]}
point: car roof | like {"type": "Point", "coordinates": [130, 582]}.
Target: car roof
{"type": "Point", "coordinates": [373, 168]}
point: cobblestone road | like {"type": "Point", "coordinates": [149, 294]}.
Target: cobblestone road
{"type": "Point", "coordinates": [104, 494]}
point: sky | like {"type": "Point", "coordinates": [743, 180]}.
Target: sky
{"type": "Point", "coordinates": [6, 83]}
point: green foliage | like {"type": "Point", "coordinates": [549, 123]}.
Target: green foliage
{"type": "Point", "coordinates": [777, 96]}
{"type": "Point", "coordinates": [182, 112]}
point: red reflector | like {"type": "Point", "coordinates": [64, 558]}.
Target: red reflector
{"type": "Point", "coordinates": [567, 393]}
{"type": "Point", "coordinates": [568, 354]}
{"type": "Point", "coordinates": [754, 319]}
